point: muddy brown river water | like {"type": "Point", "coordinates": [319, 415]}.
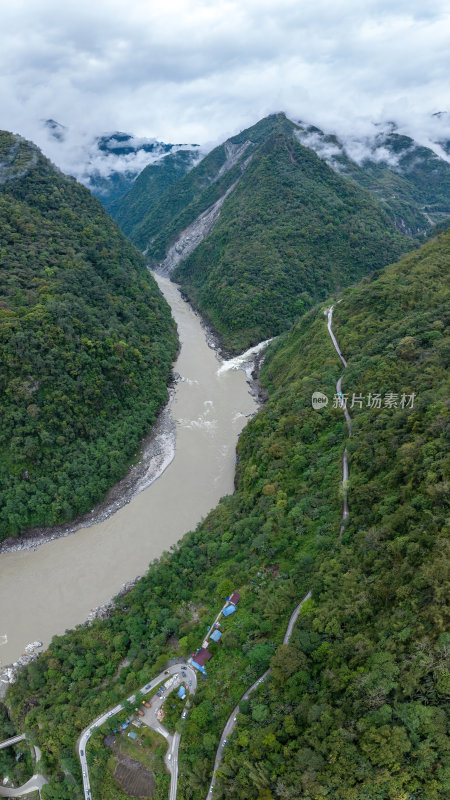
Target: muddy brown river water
{"type": "Point", "coordinates": [46, 591]}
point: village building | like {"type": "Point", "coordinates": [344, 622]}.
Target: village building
{"type": "Point", "coordinates": [229, 610]}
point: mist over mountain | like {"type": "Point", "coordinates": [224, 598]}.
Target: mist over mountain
{"type": "Point", "coordinates": [411, 181]}
{"type": "Point", "coordinates": [293, 645]}
{"type": "Point", "coordinates": [109, 162]}
{"type": "Point", "coordinates": [106, 163]}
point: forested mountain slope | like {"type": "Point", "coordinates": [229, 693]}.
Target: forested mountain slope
{"type": "Point", "coordinates": [411, 182]}
{"type": "Point", "coordinates": [184, 201]}
{"type": "Point", "coordinates": [290, 230]}
{"type": "Point", "coordinates": [115, 160]}
{"type": "Point", "coordinates": [87, 343]}
{"type": "Point", "coordinates": [354, 706]}
{"type": "Point", "coordinates": [129, 209]}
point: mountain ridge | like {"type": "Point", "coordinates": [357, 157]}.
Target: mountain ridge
{"type": "Point", "coordinates": [183, 229]}
{"type": "Point", "coordinates": [411, 180]}
{"type": "Point", "coordinates": [311, 231]}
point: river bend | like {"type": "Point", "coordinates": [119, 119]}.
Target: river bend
{"type": "Point", "coordinates": [45, 591]}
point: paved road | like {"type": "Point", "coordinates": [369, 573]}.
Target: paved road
{"type": "Point", "coordinates": [35, 783]}
{"type": "Point", "coordinates": [173, 766]}
{"type": "Point", "coordinates": [333, 338]}
{"type": "Point", "coordinates": [37, 753]}
{"type": "Point", "coordinates": [232, 719]}
{"type": "Point", "coordinates": [294, 617]}
{"type": "Point", "coordinates": [13, 740]}
{"type": "Point", "coordinates": [348, 420]}
{"type": "Point", "coordinates": [150, 719]}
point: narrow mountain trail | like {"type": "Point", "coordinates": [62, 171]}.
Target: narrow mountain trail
{"type": "Point", "coordinates": [348, 420]}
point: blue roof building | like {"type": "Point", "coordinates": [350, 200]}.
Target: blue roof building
{"type": "Point", "coordinates": [181, 692]}
{"type": "Point", "coordinates": [229, 610]}
{"type": "Point", "coordinates": [199, 667]}
{"type": "Point", "coordinates": [132, 735]}
{"type": "Point", "coordinates": [215, 636]}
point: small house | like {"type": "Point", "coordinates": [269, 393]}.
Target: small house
{"type": "Point", "coordinates": [235, 597]}
{"type": "Point", "coordinates": [203, 656]}
{"type": "Point", "coordinates": [181, 692]}
{"type": "Point", "coordinates": [133, 735]}
{"type": "Point", "coordinates": [229, 610]}
{"type": "Point", "coordinates": [216, 635]}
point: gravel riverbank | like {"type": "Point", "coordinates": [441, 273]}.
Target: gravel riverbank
{"type": "Point", "coordinates": [158, 450]}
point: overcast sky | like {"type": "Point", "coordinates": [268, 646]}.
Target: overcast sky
{"type": "Point", "coordinates": [201, 70]}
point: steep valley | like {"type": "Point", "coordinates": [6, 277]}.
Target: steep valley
{"type": "Point", "coordinates": [354, 702]}
{"type": "Point", "coordinates": [350, 704]}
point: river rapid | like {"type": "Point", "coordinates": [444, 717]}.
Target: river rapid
{"type": "Point", "coordinates": [45, 591]}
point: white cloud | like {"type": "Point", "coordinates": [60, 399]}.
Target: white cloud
{"type": "Point", "coordinates": [198, 71]}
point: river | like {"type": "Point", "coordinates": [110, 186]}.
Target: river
{"type": "Point", "coordinates": [43, 592]}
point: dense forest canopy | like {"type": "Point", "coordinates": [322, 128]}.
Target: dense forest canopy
{"type": "Point", "coordinates": [354, 705]}
{"type": "Point", "coordinates": [87, 344]}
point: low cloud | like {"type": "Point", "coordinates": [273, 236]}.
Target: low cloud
{"type": "Point", "coordinates": [84, 155]}
{"type": "Point", "coordinates": [200, 71]}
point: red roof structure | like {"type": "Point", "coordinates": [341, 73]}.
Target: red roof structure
{"type": "Point", "coordinates": [202, 656]}
{"type": "Point", "coordinates": [235, 597]}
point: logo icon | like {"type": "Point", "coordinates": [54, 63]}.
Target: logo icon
{"type": "Point", "coordinates": [319, 400]}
